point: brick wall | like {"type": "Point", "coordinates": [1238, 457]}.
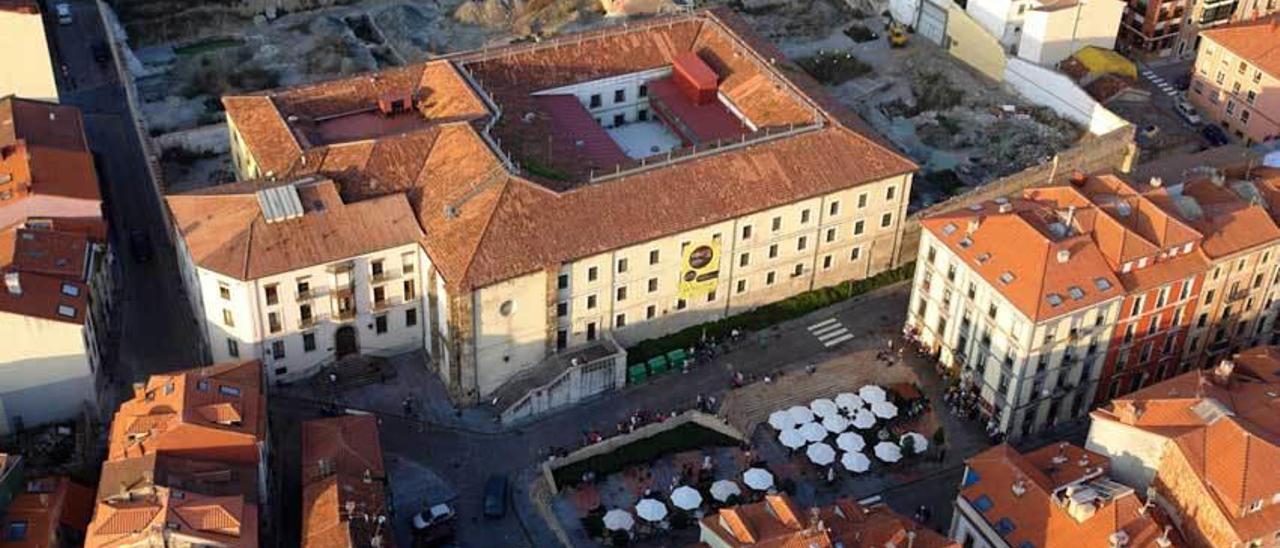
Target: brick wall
{"type": "Point", "coordinates": [1114, 150]}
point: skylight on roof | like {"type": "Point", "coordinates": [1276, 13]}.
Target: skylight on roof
{"type": "Point", "coordinates": [966, 243]}
{"type": "Point", "coordinates": [971, 477]}
{"type": "Point", "coordinates": [70, 290]}
{"type": "Point", "coordinates": [66, 311]}
{"type": "Point", "coordinates": [1001, 200]}
{"type": "Point", "coordinates": [949, 229]}
{"type": "Point", "coordinates": [1006, 278]}
{"type": "Point", "coordinates": [1005, 526]}
{"type": "Point", "coordinates": [983, 258]}
{"type": "Point", "coordinates": [983, 503]}
{"type": "Point", "coordinates": [975, 207]}
{"type": "Point", "coordinates": [228, 390]}
{"type": "Point", "coordinates": [1075, 292]}
{"type": "Point", "coordinates": [1055, 300]}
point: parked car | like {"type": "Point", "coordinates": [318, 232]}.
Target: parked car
{"type": "Point", "coordinates": [100, 52]}
{"type": "Point", "coordinates": [1215, 135]}
{"type": "Point", "coordinates": [1149, 131]}
{"type": "Point", "coordinates": [1187, 112]}
{"type": "Point", "coordinates": [140, 245]}
{"type": "Point", "coordinates": [433, 526]}
{"type": "Point", "coordinates": [495, 496]}
{"type": "Point", "coordinates": [64, 13]}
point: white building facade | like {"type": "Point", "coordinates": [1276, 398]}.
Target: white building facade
{"type": "Point", "coordinates": [1047, 32]}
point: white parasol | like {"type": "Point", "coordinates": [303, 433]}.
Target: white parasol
{"type": "Point", "coordinates": [686, 498]}
{"type": "Point", "coordinates": [849, 401]}
{"type": "Point", "coordinates": [800, 414]}
{"type": "Point", "coordinates": [855, 462]}
{"type": "Point", "coordinates": [864, 420]}
{"type": "Point", "coordinates": [918, 442]}
{"type": "Point", "coordinates": [871, 393]}
{"type": "Point", "coordinates": [850, 441]}
{"type": "Point", "coordinates": [759, 478]}
{"type": "Point", "coordinates": [618, 520]}
{"type": "Point", "coordinates": [821, 454]}
{"type": "Point", "coordinates": [781, 420]}
{"type": "Point", "coordinates": [824, 407]}
{"type": "Point", "coordinates": [835, 423]}
{"type": "Point", "coordinates": [792, 438]}
{"type": "Point", "coordinates": [884, 409]}
{"type": "Point", "coordinates": [813, 432]}
{"type": "Point", "coordinates": [651, 510]}
{"type": "Point", "coordinates": [888, 452]}
{"type": "Point", "coordinates": [721, 490]}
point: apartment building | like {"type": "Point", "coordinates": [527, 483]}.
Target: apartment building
{"type": "Point", "coordinates": [1202, 16]}
{"type": "Point", "coordinates": [57, 265]}
{"type": "Point", "coordinates": [22, 27]}
{"type": "Point", "coordinates": [1236, 79]}
{"type": "Point", "coordinates": [1102, 283]}
{"type": "Point", "coordinates": [777, 521]}
{"type": "Point", "coordinates": [186, 462]}
{"type": "Point", "coordinates": [287, 273]}
{"type": "Point", "coordinates": [1058, 495]}
{"type": "Point", "coordinates": [345, 497]}
{"type": "Point", "coordinates": [620, 184]}
{"type": "Point", "coordinates": [1205, 443]}
{"type": "Point", "coordinates": [48, 512]}
{"type": "Point", "coordinates": [1047, 32]}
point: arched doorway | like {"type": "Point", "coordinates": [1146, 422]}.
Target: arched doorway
{"type": "Point", "coordinates": [345, 342]}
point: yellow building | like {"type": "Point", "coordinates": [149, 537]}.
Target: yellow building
{"type": "Point", "coordinates": [28, 71]}
{"type": "Point", "coordinates": [616, 185]}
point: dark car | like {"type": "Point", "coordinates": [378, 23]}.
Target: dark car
{"type": "Point", "coordinates": [100, 52]}
{"type": "Point", "coordinates": [1215, 135]}
{"type": "Point", "coordinates": [495, 496]}
{"type": "Point", "coordinates": [140, 245]}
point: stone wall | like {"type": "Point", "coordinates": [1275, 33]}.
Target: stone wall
{"type": "Point", "coordinates": [1115, 150]}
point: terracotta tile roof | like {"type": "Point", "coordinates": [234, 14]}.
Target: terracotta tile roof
{"type": "Point", "coordinates": [45, 505]}
{"type": "Point", "coordinates": [225, 230]}
{"type": "Point", "coordinates": [1257, 42]}
{"type": "Point", "coordinates": [1103, 227]}
{"type": "Point", "coordinates": [483, 224]}
{"type": "Point", "coordinates": [342, 467]}
{"type": "Point", "coordinates": [51, 272]}
{"type": "Point", "coordinates": [201, 519]}
{"type": "Point", "coordinates": [1226, 424]}
{"type": "Point", "coordinates": [170, 413]}
{"type": "Point", "coordinates": [1026, 499]}
{"type": "Point", "coordinates": [47, 142]}
{"type": "Point", "coordinates": [776, 522]}
{"type": "Point", "coordinates": [20, 6]}
{"type": "Point", "coordinates": [1231, 214]}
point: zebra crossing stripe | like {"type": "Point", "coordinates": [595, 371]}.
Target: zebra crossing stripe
{"type": "Point", "coordinates": [822, 324]}
{"type": "Point", "coordinates": [833, 334]}
{"type": "Point", "coordinates": [836, 341]}
{"type": "Point", "coordinates": [828, 330]}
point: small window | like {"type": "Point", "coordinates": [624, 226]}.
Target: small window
{"type": "Point", "coordinates": [777, 224]}
{"type": "Point", "coordinates": [375, 268]}
{"type": "Point", "coordinates": [66, 311]}
{"type": "Point", "coordinates": [654, 257]}
{"type": "Point", "coordinates": [563, 282]}
{"type": "Point", "coordinates": [308, 342]}
{"type": "Point", "coordinates": [622, 265]}
{"type": "Point", "coordinates": [644, 90]}
{"type": "Point", "coordinates": [890, 193]}
{"type": "Point", "coordinates": [744, 259]}
{"type": "Point", "coordinates": [653, 285]}
{"type": "Point", "coordinates": [562, 339]}
{"type": "Point", "coordinates": [304, 287]}
{"type": "Point", "coordinates": [862, 200]}
{"type": "Point", "coordinates": [681, 304]}
{"type": "Point", "coordinates": [407, 263]}
{"type": "Point", "coordinates": [711, 297]}
{"type": "Point", "coordinates": [591, 331]}
{"type": "Point", "coordinates": [227, 319]}
{"type": "Point", "coordinates": [798, 270]}
{"type": "Point", "coordinates": [833, 209]}
{"type": "Point", "coordinates": [379, 294]}
{"type": "Point", "coordinates": [746, 232]}
{"type": "Point", "coordinates": [619, 119]}
{"type": "Point", "coordinates": [228, 390]}
{"type": "Point", "coordinates": [620, 294]}
{"type": "Point", "coordinates": [826, 262]}
{"type": "Point", "coordinates": [562, 309]}
{"type": "Point", "coordinates": [410, 291]}
{"type": "Point", "coordinates": [594, 101]}
{"type": "Point", "coordinates": [273, 296]}
{"type": "Point", "coordinates": [769, 278]}
{"type": "Point", "coordinates": [650, 311]}
{"type": "Point", "coordinates": [281, 371]}
{"type": "Point", "coordinates": [801, 243]}
{"type": "Point", "coordinates": [620, 320]}
{"type": "Point", "coordinates": [642, 115]}
{"type": "Point", "coordinates": [858, 228]}
{"type": "Point", "coordinates": [224, 291]}
{"type": "Point", "coordinates": [831, 235]}
{"type": "Point", "coordinates": [380, 324]}
{"type": "Point", "coordinates": [773, 251]}
{"type": "Point", "coordinates": [592, 274]}
{"type": "Point", "coordinates": [619, 95]}
{"type": "Point", "coordinates": [16, 530]}
{"type": "Point", "coordinates": [233, 350]}
{"type": "Point", "coordinates": [804, 216]}
{"type": "Point", "coordinates": [273, 322]}
{"type": "Point", "coordinates": [742, 286]}
{"type": "Point", "coordinates": [886, 220]}
{"type": "Point", "coordinates": [70, 290]}
{"type": "Point", "coordinates": [411, 317]}
{"type": "Point", "coordinates": [855, 254]}
{"type": "Point", "coordinates": [591, 302]}
{"type": "Point", "coordinates": [277, 350]}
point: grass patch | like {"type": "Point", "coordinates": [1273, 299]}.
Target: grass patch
{"type": "Point", "coordinates": [834, 67]}
{"type": "Point", "coordinates": [205, 46]}
{"type": "Point", "coordinates": [685, 437]}
{"type": "Point", "coordinates": [767, 315]}
{"type": "Point", "coordinates": [535, 168]}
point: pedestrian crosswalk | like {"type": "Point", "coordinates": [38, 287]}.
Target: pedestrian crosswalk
{"type": "Point", "coordinates": [1160, 82]}
{"type": "Point", "coordinates": [830, 332]}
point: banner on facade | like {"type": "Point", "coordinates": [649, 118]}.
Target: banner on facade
{"type": "Point", "coordinates": [699, 269]}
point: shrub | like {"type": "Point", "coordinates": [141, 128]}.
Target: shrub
{"type": "Point", "coordinates": [834, 67]}
{"type": "Point", "coordinates": [860, 33]}
{"type": "Point", "coordinates": [681, 438]}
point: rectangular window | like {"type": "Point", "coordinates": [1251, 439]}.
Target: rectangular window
{"type": "Point", "coordinates": [562, 339]}
{"type": "Point", "coordinates": [563, 282]}
{"type": "Point", "coordinates": [644, 90]}
{"type": "Point", "coordinates": [562, 309]}
{"type": "Point", "coordinates": [801, 243]}
{"type": "Point", "coordinates": [769, 278]}
{"type": "Point", "coordinates": [380, 324]}
{"type": "Point", "coordinates": [375, 267]}
{"type": "Point", "coordinates": [653, 285]}
{"type": "Point", "coordinates": [594, 101]}
{"type": "Point", "coordinates": [591, 331]}
{"type": "Point", "coordinates": [826, 263]}
{"type": "Point", "coordinates": [233, 348]}
{"type": "Point", "coordinates": [592, 274]}
{"type": "Point", "coordinates": [619, 95]}
{"type": "Point", "coordinates": [642, 115]}
{"type": "Point", "coordinates": [273, 296]}
{"type": "Point", "coordinates": [711, 297]}
{"type": "Point", "coordinates": [855, 253]}
{"type": "Point", "coordinates": [858, 227]}
{"type": "Point", "coordinates": [308, 342]}
{"type": "Point", "coordinates": [227, 319]}
{"type": "Point", "coordinates": [304, 288]}
{"type": "Point", "coordinates": [379, 295]}
{"type": "Point", "coordinates": [304, 312]}
{"type": "Point", "coordinates": [746, 232]}
{"type": "Point", "coordinates": [681, 304]}
{"type": "Point", "coordinates": [862, 200]}
{"type": "Point", "coordinates": [619, 119]}
{"type": "Point", "coordinates": [273, 322]}
{"type": "Point", "coordinates": [889, 193]}
{"type": "Point", "coordinates": [654, 257]}
{"type": "Point", "coordinates": [744, 259]}
{"type": "Point", "coordinates": [620, 294]}
{"type": "Point", "coordinates": [406, 263]}
{"type": "Point", "coordinates": [591, 302]}
{"type": "Point", "coordinates": [831, 235]}
{"type": "Point", "coordinates": [773, 251]}
{"type": "Point", "coordinates": [777, 224]}
{"type": "Point", "coordinates": [410, 291]}
{"type": "Point", "coordinates": [411, 317]}
{"type": "Point", "coordinates": [277, 350]}
{"type": "Point", "coordinates": [742, 286]}
{"type": "Point", "coordinates": [620, 320]}
{"type": "Point", "coordinates": [650, 311]}
{"type": "Point", "coordinates": [622, 265]}
{"type": "Point", "coordinates": [224, 291]}
{"type": "Point", "coordinates": [804, 216]}
{"type": "Point", "coordinates": [833, 209]}
{"type": "Point", "coordinates": [798, 270]}
{"type": "Point", "coordinates": [886, 220]}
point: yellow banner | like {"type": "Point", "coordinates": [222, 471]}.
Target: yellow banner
{"type": "Point", "coordinates": [699, 269]}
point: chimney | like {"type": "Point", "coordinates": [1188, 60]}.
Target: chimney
{"type": "Point", "coordinates": [1005, 207]}
{"type": "Point", "coordinates": [13, 283]}
{"type": "Point", "coordinates": [1118, 539]}
{"type": "Point", "coordinates": [1063, 255]}
{"type": "Point", "coordinates": [1078, 178]}
{"type": "Point", "coordinates": [1019, 487]}
{"type": "Point", "coordinates": [1222, 373]}
{"type": "Point", "coordinates": [974, 223]}
{"type": "Point", "coordinates": [1156, 182]}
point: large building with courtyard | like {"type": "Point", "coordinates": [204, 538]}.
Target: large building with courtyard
{"type": "Point", "coordinates": [583, 193]}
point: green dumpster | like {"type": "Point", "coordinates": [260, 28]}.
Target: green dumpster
{"type": "Point", "coordinates": [677, 357]}
{"type": "Point", "coordinates": [637, 373]}
{"type": "Point", "coordinates": [657, 365]}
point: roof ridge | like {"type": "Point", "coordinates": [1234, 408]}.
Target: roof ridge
{"type": "Point", "coordinates": [248, 249]}
{"type": "Point", "coordinates": [484, 232]}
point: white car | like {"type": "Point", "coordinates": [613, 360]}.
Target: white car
{"type": "Point", "coordinates": [1187, 112]}
{"type": "Point", "coordinates": [64, 13]}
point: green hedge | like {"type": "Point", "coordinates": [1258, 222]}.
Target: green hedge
{"type": "Point", "coordinates": [685, 437]}
{"type": "Point", "coordinates": [767, 315]}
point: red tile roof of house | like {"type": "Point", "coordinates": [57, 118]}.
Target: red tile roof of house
{"type": "Point", "coordinates": [45, 505]}
{"type": "Point", "coordinates": [226, 231]}
{"type": "Point", "coordinates": [1226, 423]}
{"type": "Point", "coordinates": [144, 518]}
{"type": "Point", "coordinates": [1102, 227]}
{"type": "Point", "coordinates": [20, 6]}
{"type": "Point", "coordinates": [776, 522]}
{"type": "Point", "coordinates": [48, 139]}
{"type": "Point", "coordinates": [1026, 497]}
{"type": "Point", "coordinates": [342, 466]}
{"type": "Point", "coordinates": [1257, 42]}
{"type": "Point", "coordinates": [484, 224]}
{"type": "Point", "coordinates": [51, 268]}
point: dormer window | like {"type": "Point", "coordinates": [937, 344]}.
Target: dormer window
{"type": "Point", "coordinates": [226, 390]}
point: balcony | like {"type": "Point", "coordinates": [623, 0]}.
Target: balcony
{"type": "Point", "coordinates": [1237, 295]}
{"type": "Point", "coordinates": [308, 322]}
{"type": "Point", "coordinates": [386, 303]}
{"type": "Point", "coordinates": [312, 293]}
{"type": "Point", "coordinates": [384, 275]}
{"type": "Point", "coordinates": [347, 314]}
